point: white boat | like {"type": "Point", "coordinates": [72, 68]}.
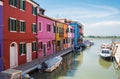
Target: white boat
{"type": "Point", "coordinates": [106, 51]}
{"type": "Point", "coordinates": [51, 64]}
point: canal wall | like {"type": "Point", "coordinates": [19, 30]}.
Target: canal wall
{"type": "Point", "coordinates": [28, 67]}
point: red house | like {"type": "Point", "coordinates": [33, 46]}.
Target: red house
{"type": "Point", "coordinates": [20, 23]}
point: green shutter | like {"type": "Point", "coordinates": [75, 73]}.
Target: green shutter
{"type": "Point", "coordinates": [11, 2]}
{"type": "Point", "coordinates": [10, 24]}
{"type": "Point", "coordinates": [35, 10]}
{"type": "Point", "coordinates": [24, 5]}
{"type": "Point", "coordinates": [16, 3]}
{"type": "Point", "coordinates": [24, 26]}
{"type": "Point", "coordinates": [20, 49]}
{"type": "Point", "coordinates": [20, 4]}
{"type": "Point", "coordinates": [32, 10]}
{"type": "Point", "coordinates": [24, 48]}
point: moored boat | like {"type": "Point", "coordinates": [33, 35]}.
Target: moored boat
{"type": "Point", "coordinates": [106, 52]}
{"type": "Point", "coordinates": [51, 64]}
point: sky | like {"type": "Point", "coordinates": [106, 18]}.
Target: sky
{"type": "Point", "coordinates": [99, 17]}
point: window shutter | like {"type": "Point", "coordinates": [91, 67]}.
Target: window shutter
{"type": "Point", "coordinates": [10, 24]}
{"type": "Point", "coordinates": [20, 49]}
{"type": "Point", "coordinates": [24, 5]}
{"type": "Point", "coordinates": [32, 10]}
{"type": "Point", "coordinates": [25, 48]}
{"type": "Point", "coordinates": [11, 2]}
{"type": "Point", "coordinates": [25, 26]}
{"type": "Point", "coordinates": [35, 10]}
{"type": "Point", "coordinates": [16, 3]}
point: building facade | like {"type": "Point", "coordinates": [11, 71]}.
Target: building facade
{"type": "Point", "coordinates": [77, 36]}
{"type": "Point", "coordinates": [45, 35]}
{"type": "Point", "coordinates": [1, 36]}
{"type": "Point", "coordinates": [65, 40]}
{"type": "Point", "coordinates": [59, 35]}
{"type": "Point", "coordinates": [70, 31]}
{"type": "Point", "coordinates": [19, 32]}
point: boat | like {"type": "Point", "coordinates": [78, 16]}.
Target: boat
{"type": "Point", "coordinates": [88, 43]}
{"type": "Point", "coordinates": [51, 64]}
{"type": "Point", "coordinates": [106, 51]}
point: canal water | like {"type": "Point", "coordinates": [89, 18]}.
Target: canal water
{"type": "Point", "coordinates": [83, 65]}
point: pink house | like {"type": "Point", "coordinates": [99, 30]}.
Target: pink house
{"type": "Point", "coordinates": [45, 35]}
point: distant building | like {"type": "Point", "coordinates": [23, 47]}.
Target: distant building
{"type": "Point", "coordinates": [1, 36]}
{"type": "Point", "coordinates": [65, 39]}
{"type": "Point", "coordinates": [78, 33]}
{"type": "Point", "coordinates": [19, 32]}
{"type": "Point", "coordinates": [45, 34]}
{"type": "Point", "coordinates": [59, 35]}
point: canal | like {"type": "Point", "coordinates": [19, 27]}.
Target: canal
{"type": "Point", "coordinates": [83, 65]}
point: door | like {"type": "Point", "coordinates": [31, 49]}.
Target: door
{"type": "Point", "coordinates": [44, 49]}
{"type": "Point", "coordinates": [29, 52]}
{"type": "Point", "coordinates": [13, 55]}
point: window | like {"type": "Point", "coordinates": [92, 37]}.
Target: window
{"type": "Point", "coordinates": [58, 43]}
{"type": "Point", "coordinates": [54, 29]}
{"type": "Point", "coordinates": [40, 26]}
{"type": "Point", "coordinates": [34, 46]}
{"type": "Point", "coordinates": [22, 4]}
{"type": "Point", "coordinates": [22, 26]}
{"type": "Point", "coordinates": [48, 27]}
{"type": "Point", "coordinates": [13, 24]}
{"type": "Point", "coordinates": [14, 3]}
{"type": "Point", "coordinates": [22, 48]}
{"type": "Point", "coordinates": [63, 41]}
{"type": "Point", "coordinates": [34, 28]}
{"type": "Point", "coordinates": [40, 46]}
{"type": "Point", "coordinates": [48, 44]}
{"type": "Point", "coordinates": [34, 10]}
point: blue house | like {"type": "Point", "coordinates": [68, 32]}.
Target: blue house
{"type": "Point", "coordinates": [1, 36]}
{"type": "Point", "coordinates": [77, 34]}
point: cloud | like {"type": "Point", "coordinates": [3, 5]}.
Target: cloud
{"type": "Point", "coordinates": [105, 28]}
{"type": "Point", "coordinates": [104, 23]}
{"type": "Point", "coordinates": [84, 11]}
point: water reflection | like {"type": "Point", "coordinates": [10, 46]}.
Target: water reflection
{"type": "Point", "coordinates": [104, 63]}
{"type": "Point", "coordinates": [61, 71]}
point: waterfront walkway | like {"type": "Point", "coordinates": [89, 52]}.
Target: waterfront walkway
{"type": "Point", "coordinates": [28, 67]}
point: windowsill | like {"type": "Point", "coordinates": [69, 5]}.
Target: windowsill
{"type": "Point", "coordinates": [13, 31]}
{"type": "Point", "coordinates": [48, 48]}
{"type": "Point", "coordinates": [34, 15]}
{"type": "Point", "coordinates": [13, 6]}
{"type": "Point", "coordinates": [33, 51]}
{"type": "Point", "coordinates": [40, 50]}
{"type": "Point", "coordinates": [22, 54]}
{"type": "Point", "coordinates": [22, 32]}
{"type": "Point", "coordinates": [34, 33]}
{"type": "Point", "coordinates": [22, 10]}
{"type": "Point", "coordinates": [40, 31]}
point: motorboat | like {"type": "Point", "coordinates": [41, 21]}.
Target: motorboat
{"type": "Point", "coordinates": [51, 64]}
{"type": "Point", "coordinates": [106, 51]}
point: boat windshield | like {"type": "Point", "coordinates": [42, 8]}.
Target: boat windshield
{"type": "Point", "coordinates": [105, 51]}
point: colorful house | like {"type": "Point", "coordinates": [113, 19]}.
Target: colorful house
{"type": "Point", "coordinates": [19, 32]}
{"type": "Point", "coordinates": [70, 31]}
{"type": "Point", "coordinates": [45, 35]}
{"type": "Point", "coordinates": [59, 35]}
{"type": "Point", "coordinates": [1, 36]}
{"type": "Point", "coordinates": [65, 26]}
{"type": "Point", "coordinates": [65, 41]}
{"type": "Point", "coordinates": [77, 36]}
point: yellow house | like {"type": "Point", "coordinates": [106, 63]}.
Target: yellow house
{"type": "Point", "coordinates": [59, 35]}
